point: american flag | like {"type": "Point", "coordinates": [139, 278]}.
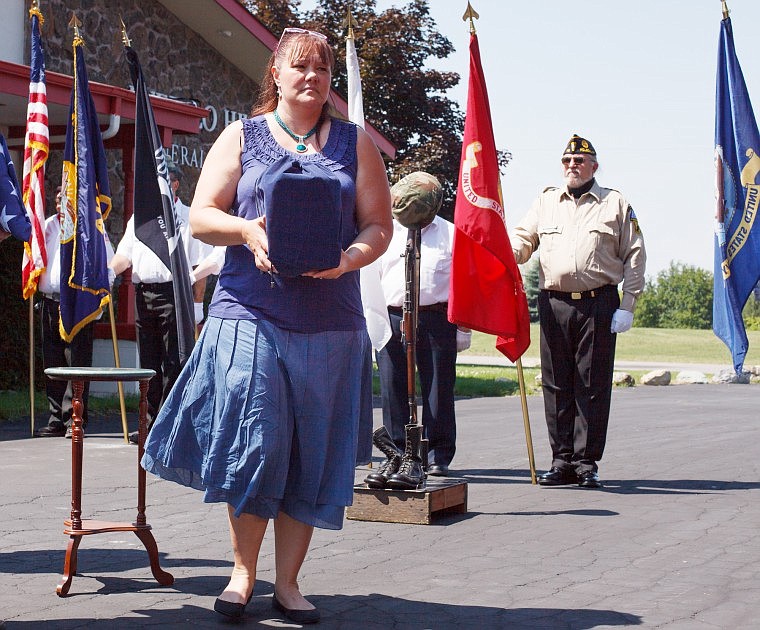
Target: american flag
{"type": "Point", "coordinates": [36, 149]}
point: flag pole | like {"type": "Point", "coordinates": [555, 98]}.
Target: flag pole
{"type": "Point", "coordinates": [117, 363]}
{"type": "Point", "coordinates": [526, 421]}
{"type": "Point", "coordinates": [724, 5]}
{"type": "Point", "coordinates": [472, 15]}
{"type": "Point", "coordinates": [31, 361]}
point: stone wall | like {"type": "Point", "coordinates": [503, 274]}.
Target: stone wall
{"type": "Point", "coordinates": [176, 62]}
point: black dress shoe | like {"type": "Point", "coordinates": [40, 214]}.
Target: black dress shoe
{"type": "Point", "coordinates": [297, 616]}
{"type": "Point", "coordinates": [438, 470]}
{"type": "Point", "coordinates": [133, 437]}
{"type": "Point", "coordinates": [50, 431]}
{"type": "Point", "coordinates": [558, 477]}
{"type": "Point", "coordinates": [589, 479]}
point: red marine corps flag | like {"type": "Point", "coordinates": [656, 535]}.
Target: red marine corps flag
{"type": "Point", "coordinates": [486, 291]}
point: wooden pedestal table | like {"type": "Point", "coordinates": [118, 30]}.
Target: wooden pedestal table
{"type": "Point", "coordinates": [76, 527]}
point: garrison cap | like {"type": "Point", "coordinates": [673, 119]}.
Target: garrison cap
{"type": "Point", "coordinates": [416, 199]}
{"type": "Point", "coordinates": [578, 145]}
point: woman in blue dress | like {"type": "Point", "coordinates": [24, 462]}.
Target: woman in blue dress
{"type": "Point", "coordinates": [264, 415]}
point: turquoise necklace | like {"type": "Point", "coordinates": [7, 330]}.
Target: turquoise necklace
{"type": "Point", "coordinates": [300, 140]}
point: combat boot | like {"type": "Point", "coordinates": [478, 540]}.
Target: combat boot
{"type": "Point", "coordinates": [410, 475]}
{"type": "Point", "coordinates": [382, 439]}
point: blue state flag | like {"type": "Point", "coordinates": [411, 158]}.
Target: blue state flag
{"type": "Point", "coordinates": [13, 217]}
{"type": "Point", "coordinates": [737, 235]}
{"type": "Point", "coordinates": [85, 203]}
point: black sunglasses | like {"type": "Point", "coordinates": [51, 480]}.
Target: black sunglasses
{"type": "Point", "coordinates": [576, 160]}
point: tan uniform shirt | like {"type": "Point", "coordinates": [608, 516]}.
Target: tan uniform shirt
{"type": "Point", "coordinates": [585, 244]}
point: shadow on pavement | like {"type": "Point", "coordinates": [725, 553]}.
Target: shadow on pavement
{"type": "Point", "coordinates": [368, 612]}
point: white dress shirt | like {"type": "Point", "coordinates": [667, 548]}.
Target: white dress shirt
{"type": "Point", "coordinates": [435, 264]}
{"type": "Point", "coordinates": [50, 278]}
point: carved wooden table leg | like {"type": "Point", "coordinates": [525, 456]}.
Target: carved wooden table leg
{"type": "Point", "coordinates": [77, 439]}
{"type": "Point", "coordinates": [162, 577]}
{"type": "Point", "coordinates": [69, 566]}
{"type": "Point", "coordinates": [144, 533]}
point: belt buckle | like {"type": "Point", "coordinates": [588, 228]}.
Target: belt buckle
{"type": "Point", "coordinates": [575, 295]}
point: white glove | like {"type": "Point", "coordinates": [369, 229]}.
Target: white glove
{"type": "Point", "coordinates": [198, 308]}
{"type": "Point", "coordinates": [111, 277]}
{"type": "Point", "coordinates": [463, 339]}
{"type": "Point", "coordinates": [192, 278]}
{"type": "Point", "coordinates": [621, 321]}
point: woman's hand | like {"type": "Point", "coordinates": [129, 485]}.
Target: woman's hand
{"type": "Point", "coordinates": [336, 272]}
{"type": "Point", "coordinates": [254, 234]}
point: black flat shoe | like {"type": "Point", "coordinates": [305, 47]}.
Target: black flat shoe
{"type": "Point", "coordinates": [231, 609]}
{"type": "Point", "coordinates": [297, 616]}
{"type": "Point", "coordinates": [589, 479]}
{"type": "Point", "coordinates": [558, 477]}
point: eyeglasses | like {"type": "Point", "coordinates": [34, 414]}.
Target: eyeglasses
{"type": "Point", "coordinates": [299, 31]}
{"type": "Point", "coordinates": [574, 159]}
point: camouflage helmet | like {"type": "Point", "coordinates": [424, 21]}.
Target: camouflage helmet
{"type": "Point", "coordinates": [416, 199]}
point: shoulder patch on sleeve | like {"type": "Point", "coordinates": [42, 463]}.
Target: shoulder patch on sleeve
{"type": "Point", "coordinates": [632, 218]}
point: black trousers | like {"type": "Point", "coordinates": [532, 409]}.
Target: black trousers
{"type": "Point", "coordinates": [157, 343]}
{"type": "Point", "coordinates": [436, 351]}
{"type": "Point", "coordinates": [577, 361]}
{"type": "Point", "coordinates": [57, 353]}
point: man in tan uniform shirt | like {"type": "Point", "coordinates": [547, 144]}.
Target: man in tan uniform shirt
{"type": "Point", "coordinates": [589, 242]}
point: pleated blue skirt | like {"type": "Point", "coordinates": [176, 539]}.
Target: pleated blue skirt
{"type": "Point", "coordinates": [268, 420]}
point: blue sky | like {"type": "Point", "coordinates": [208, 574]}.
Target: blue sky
{"type": "Point", "coordinates": [635, 78]}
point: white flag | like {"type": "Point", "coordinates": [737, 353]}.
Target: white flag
{"type": "Point", "coordinates": [373, 299]}
{"type": "Point", "coordinates": [355, 100]}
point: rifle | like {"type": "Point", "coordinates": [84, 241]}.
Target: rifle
{"type": "Point", "coordinates": [410, 316]}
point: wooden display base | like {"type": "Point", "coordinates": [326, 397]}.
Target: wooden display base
{"type": "Point", "coordinates": [442, 495]}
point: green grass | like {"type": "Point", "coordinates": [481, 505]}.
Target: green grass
{"type": "Point", "coordinates": [659, 345]}
{"type": "Point", "coordinates": [14, 405]}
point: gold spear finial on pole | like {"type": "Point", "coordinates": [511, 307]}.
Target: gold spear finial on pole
{"type": "Point", "coordinates": [471, 14]}
{"type": "Point", "coordinates": [75, 24]}
{"type": "Point", "coordinates": [124, 37]}
{"type": "Point", "coordinates": [350, 23]}
{"type": "Point", "coordinates": [35, 10]}
{"type": "Point", "coordinates": [725, 9]}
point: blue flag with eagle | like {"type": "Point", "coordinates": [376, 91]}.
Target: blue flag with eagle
{"type": "Point", "coordinates": [737, 161]}
{"type": "Point", "coordinates": [85, 204]}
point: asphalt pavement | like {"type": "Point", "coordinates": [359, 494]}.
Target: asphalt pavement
{"type": "Point", "coordinates": [671, 541]}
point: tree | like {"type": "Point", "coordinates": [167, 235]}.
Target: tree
{"type": "Point", "coordinates": [681, 297]}
{"type": "Point", "coordinates": [402, 99]}
{"type": "Point", "coordinates": [530, 281]}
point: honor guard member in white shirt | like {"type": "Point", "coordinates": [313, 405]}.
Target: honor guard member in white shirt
{"type": "Point", "coordinates": [155, 317]}
{"type": "Point", "coordinates": [589, 242]}
{"type": "Point", "coordinates": [196, 250]}
{"type": "Point", "coordinates": [438, 340]}
{"type": "Point", "coordinates": [55, 351]}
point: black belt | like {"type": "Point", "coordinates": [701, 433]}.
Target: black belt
{"type": "Point", "coordinates": [581, 295]}
{"type": "Point", "coordinates": [153, 286]}
{"type": "Point", "coordinates": [55, 297]}
{"type": "Point", "coordinates": [440, 307]}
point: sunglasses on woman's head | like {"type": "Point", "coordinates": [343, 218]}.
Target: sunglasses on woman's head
{"type": "Point", "coordinates": [299, 31]}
